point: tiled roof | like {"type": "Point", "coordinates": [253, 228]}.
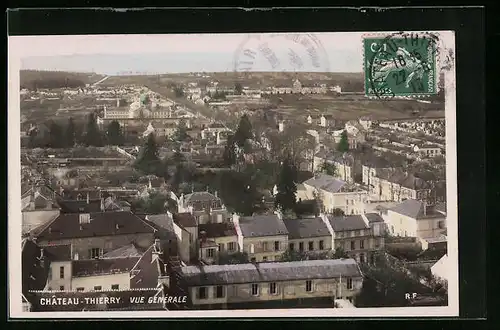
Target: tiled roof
{"type": "Point", "coordinates": [102, 224]}
{"type": "Point", "coordinates": [374, 217]}
{"type": "Point", "coordinates": [415, 209]}
{"type": "Point", "coordinates": [213, 230]}
{"type": "Point", "coordinates": [269, 272]}
{"type": "Point", "coordinates": [306, 227]}
{"type": "Point", "coordinates": [58, 252]}
{"type": "Point", "coordinates": [262, 225]}
{"type": "Point", "coordinates": [130, 250]}
{"type": "Point", "coordinates": [162, 220]}
{"type": "Point", "coordinates": [325, 182]}
{"type": "Point", "coordinates": [147, 270]}
{"type": "Point", "coordinates": [92, 267]}
{"type": "Point", "coordinates": [185, 219]}
{"type": "Point", "coordinates": [79, 206]}
{"type": "Point", "coordinates": [200, 196]}
{"type": "Point", "coordinates": [348, 222]}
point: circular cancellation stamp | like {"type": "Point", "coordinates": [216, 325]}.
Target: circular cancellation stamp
{"type": "Point", "coordinates": [401, 65]}
{"type": "Point", "coordinates": [281, 52]}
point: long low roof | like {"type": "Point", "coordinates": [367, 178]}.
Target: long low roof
{"type": "Point", "coordinates": [269, 272]}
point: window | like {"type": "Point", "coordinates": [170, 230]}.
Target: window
{"type": "Point", "coordinates": [362, 244]}
{"type": "Point", "coordinates": [291, 246]}
{"type": "Point", "coordinates": [264, 246]}
{"type": "Point", "coordinates": [219, 291]}
{"type": "Point", "coordinates": [276, 245]}
{"type": "Point", "coordinates": [202, 293]}
{"type": "Point", "coordinates": [221, 247]}
{"type": "Point", "coordinates": [230, 246]}
{"type": "Point", "coordinates": [349, 283]}
{"type": "Point", "coordinates": [97, 288]}
{"type": "Point", "coordinates": [309, 286]}
{"type": "Point", "coordinates": [264, 258]}
{"type": "Point", "coordinates": [311, 246]}
{"type": "Point", "coordinates": [210, 253]}
{"type": "Point", "coordinates": [61, 288]}
{"type": "Point", "coordinates": [255, 289]}
{"type": "Point", "coordinates": [61, 272]}
{"type": "Point", "coordinates": [253, 259]}
{"type": "Point", "coordinates": [272, 288]}
{"type": "Point", "coordinates": [251, 248]}
{"type": "Point", "coordinates": [362, 258]}
{"type": "Point", "coordinates": [95, 253]}
{"type": "Point", "coordinates": [80, 289]}
{"type": "Point", "coordinates": [441, 224]}
{"type": "Point", "coordinates": [115, 287]}
{"type": "Point", "coordinates": [353, 245]}
{"type": "Point", "coordinates": [321, 245]}
{"type": "Point", "coordinates": [301, 246]}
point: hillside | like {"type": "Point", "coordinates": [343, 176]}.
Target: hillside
{"type": "Point", "coordinates": [32, 79]}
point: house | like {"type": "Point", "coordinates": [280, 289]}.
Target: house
{"type": "Point", "coordinates": [94, 234]}
{"type": "Point", "coordinates": [216, 239]}
{"type": "Point", "coordinates": [371, 169]}
{"type": "Point", "coordinates": [414, 218]}
{"type": "Point", "coordinates": [310, 283]}
{"type": "Point", "coordinates": [334, 194]}
{"type": "Point", "coordinates": [358, 235]}
{"type": "Point", "coordinates": [38, 207]}
{"type": "Point", "coordinates": [309, 235]}
{"type": "Point", "coordinates": [344, 165]}
{"type": "Point", "coordinates": [206, 207]}
{"type": "Point", "coordinates": [146, 271]}
{"type": "Point", "coordinates": [398, 185]}
{"type": "Point", "coordinates": [263, 237]}
{"type": "Point", "coordinates": [185, 228]}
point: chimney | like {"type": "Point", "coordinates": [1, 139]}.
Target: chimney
{"type": "Point", "coordinates": [88, 198]}
{"type": "Point", "coordinates": [425, 208]}
{"type": "Point", "coordinates": [41, 254]}
{"type": "Point", "coordinates": [216, 194]}
{"type": "Point", "coordinates": [76, 256]}
{"type": "Point", "coordinates": [102, 205]}
{"type": "Point", "coordinates": [279, 214]}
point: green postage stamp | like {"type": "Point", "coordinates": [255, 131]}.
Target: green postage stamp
{"type": "Point", "coordinates": [400, 65]}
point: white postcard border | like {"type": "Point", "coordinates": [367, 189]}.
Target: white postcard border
{"type": "Point", "coordinates": [20, 46]}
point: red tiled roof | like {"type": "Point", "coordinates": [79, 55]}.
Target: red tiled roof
{"type": "Point", "coordinates": [93, 267]}
{"type": "Point", "coordinates": [102, 224]}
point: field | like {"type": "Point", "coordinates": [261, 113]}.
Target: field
{"type": "Point", "coordinates": [28, 77]}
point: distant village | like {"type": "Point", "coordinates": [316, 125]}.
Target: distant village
{"type": "Point", "coordinates": [154, 194]}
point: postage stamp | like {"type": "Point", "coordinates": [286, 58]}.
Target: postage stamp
{"type": "Point", "coordinates": [129, 196]}
{"type": "Point", "coordinates": [401, 64]}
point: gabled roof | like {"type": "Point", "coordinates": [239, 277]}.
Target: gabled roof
{"type": "Point", "coordinates": [348, 222]}
{"type": "Point", "coordinates": [60, 252]}
{"type": "Point", "coordinates": [131, 250]}
{"type": "Point", "coordinates": [146, 271]}
{"type": "Point", "coordinates": [306, 228]}
{"type": "Point", "coordinates": [67, 226]}
{"type": "Point", "coordinates": [262, 225]}
{"type": "Point", "coordinates": [185, 219]}
{"type": "Point", "coordinates": [325, 182]}
{"type": "Point", "coordinates": [162, 220]}
{"type": "Point", "coordinates": [269, 272]}
{"type": "Point", "coordinates": [79, 206]}
{"type": "Point", "coordinates": [415, 209]}
{"type": "Point", "coordinates": [374, 217]}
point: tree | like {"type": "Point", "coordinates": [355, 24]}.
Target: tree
{"type": "Point", "coordinates": [338, 212]}
{"type": "Point", "coordinates": [148, 161]}
{"type": "Point", "coordinates": [229, 154]}
{"type": "Point", "coordinates": [180, 133]}
{"type": "Point", "coordinates": [340, 254]}
{"type": "Point", "coordinates": [285, 198]}
{"type": "Point", "coordinates": [239, 192]}
{"type": "Point", "coordinates": [238, 88]}
{"type": "Point", "coordinates": [226, 258]}
{"type": "Point", "coordinates": [343, 145]}
{"type": "Point", "coordinates": [92, 135]}
{"type": "Point", "coordinates": [244, 131]}
{"type": "Point", "coordinates": [70, 133]}
{"type": "Point", "coordinates": [55, 135]}
{"type": "Point", "coordinates": [114, 133]}
{"type": "Point", "coordinates": [328, 168]}
{"type": "Point", "coordinates": [292, 255]}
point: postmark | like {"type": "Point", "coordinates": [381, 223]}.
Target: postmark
{"type": "Point", "coordinates": [281, 52]}
{"type": "Point", "coordinates": [401, 65]}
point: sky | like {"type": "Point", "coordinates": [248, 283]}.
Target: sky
{"type": "Point", "coordinates": [177, 53]}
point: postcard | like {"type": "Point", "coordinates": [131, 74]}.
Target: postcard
{"type": "Point", "coordinates": [233, 175]}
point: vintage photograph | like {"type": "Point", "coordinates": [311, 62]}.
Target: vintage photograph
{"type": "Point", "coordinates": [293, 174]}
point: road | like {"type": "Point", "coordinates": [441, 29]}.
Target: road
{"type": "Point", "coordinates": [100, 81]}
